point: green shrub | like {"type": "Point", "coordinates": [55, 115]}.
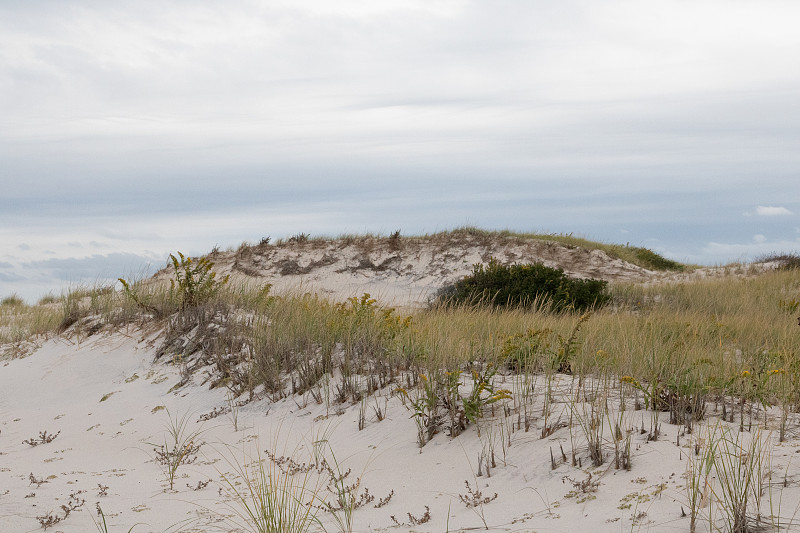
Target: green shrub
{"type": "Point", "coordinates": [194, 282]}
{"type": "Point", "coordinates": [525, 286]}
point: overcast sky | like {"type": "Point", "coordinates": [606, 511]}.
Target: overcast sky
{"type": "Point", "coordinates": [129, 130]}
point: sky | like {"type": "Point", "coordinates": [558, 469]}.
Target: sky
{"type": "Point", "coordinates": [132, 130]}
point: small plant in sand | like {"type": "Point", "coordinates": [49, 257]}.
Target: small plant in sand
{"type": "Point", "coordinates": [50, 519]}
{"type": "Point", "coordinates": [439, 391]}
{"type": "Point", "coordinates": [102, 525]}
{"type": "Point", "coordinates": [424, 518]}
{"type": "Point", "coordinates": [271, 499]}
{"type": "Point", "coordinates": [44, 438]}
{"type": "Point", "coordinates": [36, 481]}
{"type": "Point", "coordinates": [699, 475]}
{"type": "Point", "coordinates": [180, 447]}
{"type": "Point", "coordinates": [742, 469]}
{"type": "Point", "coordinates": [424, 406]}
{"type": "Point", "coordinates": [483, 393]}
{"type": "Point", "coordinates": [347, 496]}
{"type": "Point", "coordinates": [474, 497]}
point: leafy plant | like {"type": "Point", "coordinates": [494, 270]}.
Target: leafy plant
{"type": "Point", "coordinates": [425, 407]}
{"type": "Point", "coordinates": [483, 393]}
{"type": "Point", "coordinates": [529, 285]}
{"type": "Point", "coordinates": [194, 282]}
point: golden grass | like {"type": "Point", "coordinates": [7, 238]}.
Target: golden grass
{"type": "Point", "coordinates": [700, 334]}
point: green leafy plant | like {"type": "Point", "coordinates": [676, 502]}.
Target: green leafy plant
{"type": "Point", "coordinates": [424, 406]}
{"type": "Point", "coordinates": [529, 285]}
{"type": "Point", "coordinates": [194, 282]}
{"type": "Point", "coordinates": [483, 393]}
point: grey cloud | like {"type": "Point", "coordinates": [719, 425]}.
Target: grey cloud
{"type": "Point", "coordinates": [559, 116]}
{"type": "Point", "coordinates": [94, 267]}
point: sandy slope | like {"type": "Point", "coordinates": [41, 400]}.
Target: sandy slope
{"type": "Point", "coordinates": [407, 272]}
{"type": "Point", "coordinates": [104, 443]}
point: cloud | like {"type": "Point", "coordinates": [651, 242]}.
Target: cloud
{"type": "Point", "coordinates": [11, 277]}
{"type": "Point", "coordinates": [184, 125]}
{"type": "Point", "coordinates": [94, 268]}
{"type": "Point", "coordinates": [721, 253]}
{"type": "Point", "coordinates": [771, 211]}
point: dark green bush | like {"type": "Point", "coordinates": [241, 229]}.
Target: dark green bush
{"type": "Point", "coordinates": [525, 285]}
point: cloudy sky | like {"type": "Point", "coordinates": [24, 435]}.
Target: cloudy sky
{"type": "Point", "coordinates": [129, 130]}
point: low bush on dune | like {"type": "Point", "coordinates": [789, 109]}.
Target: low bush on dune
{"type": "Point", "coordinates": [525, 286]}
{"type": "Point", "coordinates": [194, 284]}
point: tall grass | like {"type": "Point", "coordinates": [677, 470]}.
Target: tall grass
{"type": "Point", "coordinates": [269, 499]}
{"type": "Point", "coordinates": [694, 338]}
